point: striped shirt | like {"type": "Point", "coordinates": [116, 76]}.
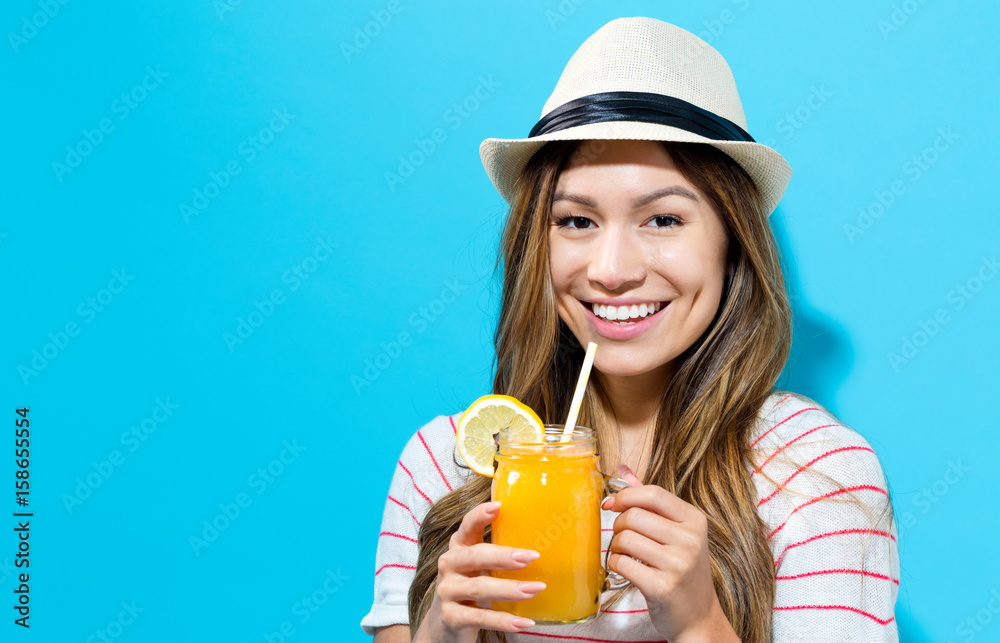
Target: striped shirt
{"type": "Point", "coordinates": [820, 491]}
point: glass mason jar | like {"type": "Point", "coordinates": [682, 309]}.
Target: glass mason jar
{"type": "Point", "coordinates": [551, 492]}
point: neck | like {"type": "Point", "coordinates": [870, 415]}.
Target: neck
{"type": "Point", "coordinates": [635, 401]}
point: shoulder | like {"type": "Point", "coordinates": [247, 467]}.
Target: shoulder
{"type": "Point", "coordinates": [430, 461]}
{"type": "Point", "coordinates": [782, 417]}
{"type": "Point", "coordinates": [801, 454]}
{"type": "Point", "coordinates": [791, 427]}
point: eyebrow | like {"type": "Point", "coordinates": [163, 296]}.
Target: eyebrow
{"type": "Point", "coordinates": [638, 203]}
{"type": "Point", "coordinates": [659, 194]}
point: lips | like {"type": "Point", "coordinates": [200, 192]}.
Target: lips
{"type": "Point", "coordinates": [633, 321]}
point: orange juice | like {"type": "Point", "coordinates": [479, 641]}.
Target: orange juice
{"type": "Point", "coordinates": [551, 495]}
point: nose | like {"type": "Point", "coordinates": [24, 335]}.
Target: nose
{"type": "Point", "coordinates": [617, 263]}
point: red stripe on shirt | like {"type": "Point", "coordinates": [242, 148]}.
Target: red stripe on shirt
{"type": "Point", "coordinates": [414, 481]}
{"type": "Point", "coordinates": [434, 460]}
{"type": "Point", "coordinates": [859, 487]}
{"type": "Point", "coordinates": [394, 565]}
{"type": "Point", "coordinates": [788, 444]}
{"type": "Point", "coordinates": [809, 464]}
{"type": "Point", "coordinates": [389, 533]}
{"type": "Point", "coordinates": [811, 408]}
{"type": "Point", "coordinates": [779, 402]}
{"type": "Point", "coordinates": [837, 607]}
{"type": "Point", "coordinates": [860, 572]}
{"type": "Point", "coordinates": [583, 638]}
{"type": "Point", "coordinates": [453, 427]}
{"type": "Point", "coordinates": [407, 508]}
{"type": "Point", "coordinates": [842, 532]}
{"type": "Point", "coordinates": [760, 469]}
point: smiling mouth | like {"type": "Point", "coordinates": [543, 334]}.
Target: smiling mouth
{"type": "Point", "coordinates": [626, 315]}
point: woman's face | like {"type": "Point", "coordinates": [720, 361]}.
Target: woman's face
{"type": "Point", "coordinates": [637, 255]}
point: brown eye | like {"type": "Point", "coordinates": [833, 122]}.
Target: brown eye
{"type": "Point", "coordinates": [577, 223]}
{"type": "Point", "coordinates": [664, 221]}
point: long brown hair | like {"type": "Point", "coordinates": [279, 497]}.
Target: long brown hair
{"type": "Point", "coordinates": [700, 445]}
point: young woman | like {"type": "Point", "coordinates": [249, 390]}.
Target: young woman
{"type": "Point", "coordinates": [639, 221]}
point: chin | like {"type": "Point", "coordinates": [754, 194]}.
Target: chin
{"type": "Point", "coordinates": [622, 372]}
{"type": "Point", "coordinates": [625, 367]}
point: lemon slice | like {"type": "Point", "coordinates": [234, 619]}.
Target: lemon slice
{"type": "Point", "coordinates": [484, 419]}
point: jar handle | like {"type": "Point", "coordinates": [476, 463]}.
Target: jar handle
{"type": "Point", "coordinates": [614, 580]}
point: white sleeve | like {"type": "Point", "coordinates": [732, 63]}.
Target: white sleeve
{"type": "Point", "coordinates": [824, 498]}
{"type": "Point", "coordinates": [425, 472]}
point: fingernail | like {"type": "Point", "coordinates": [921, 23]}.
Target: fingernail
{"type": "Point", "coordinates": [493, 506]}
{"type": "Point", "coordinates": [623, 471]}
{"type": "Point", "coordinates": [604, 503]}
{"type": "Point", "coordinates": [523, 622]}
{"type": "Point", "coordinates": [532, 587]}
{"type": "Point", "coordinates": [525, 556]}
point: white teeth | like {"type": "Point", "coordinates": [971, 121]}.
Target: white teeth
{"type": "Point", "coordinates": [626, 314]}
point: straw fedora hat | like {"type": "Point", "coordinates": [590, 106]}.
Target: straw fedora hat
{"type": "Point", "coordinates": [644, 79]}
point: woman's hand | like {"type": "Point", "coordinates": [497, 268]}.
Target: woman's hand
{"type": "Point", "coordinates": [464, 586]}
{"type": "Point", "coordinates": [660, 544]}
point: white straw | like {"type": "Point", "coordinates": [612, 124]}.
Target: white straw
{"type": "Point", "coordinates": [581, 386]}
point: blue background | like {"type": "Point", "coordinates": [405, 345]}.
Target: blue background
{"type": "Point", "coordinates": [220, 71]}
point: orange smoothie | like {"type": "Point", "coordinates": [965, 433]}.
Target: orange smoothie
{"type": "Point", "coordinates": [551, 497]}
